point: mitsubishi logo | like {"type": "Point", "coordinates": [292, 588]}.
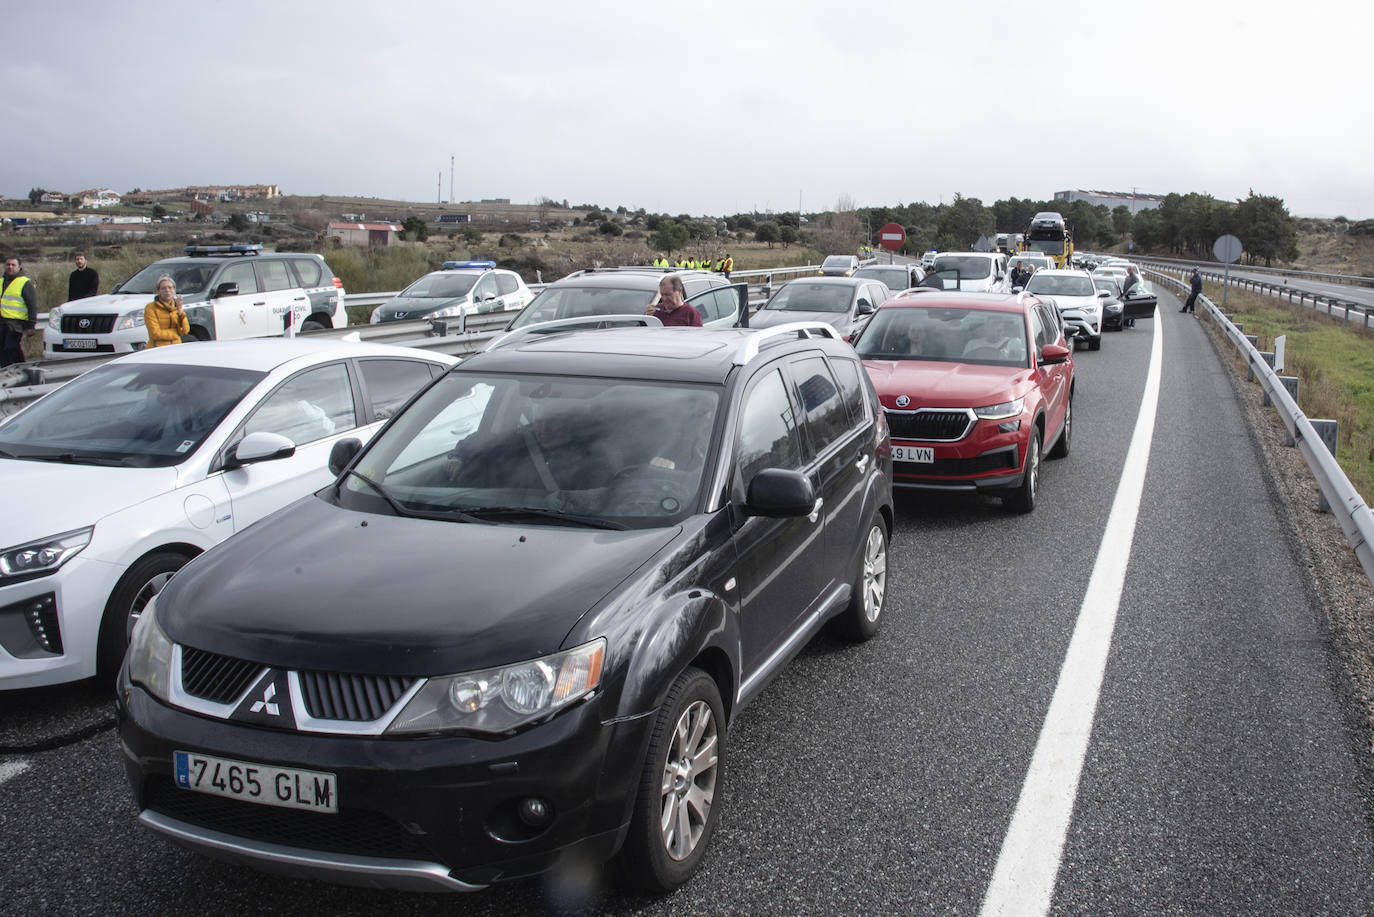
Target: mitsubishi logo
{"type": "Point", "coordinates": [266, 702]}
{"type": "Point", "coordinates": [401, 314]}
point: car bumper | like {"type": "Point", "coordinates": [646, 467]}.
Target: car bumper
{"type": "Point", "coordinates": [67, 606]}
{"type": "Point", "coordinates": [984, 461]}
{"type": "Point", "coordinates": [58, 345]}
{"type": "Point", "coordinates": [414, 813]}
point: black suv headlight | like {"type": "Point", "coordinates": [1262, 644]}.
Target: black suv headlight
{"type": "Point", "coordinates": [150, 654]}
{"type": "Point", "coordinates": [506, 697]}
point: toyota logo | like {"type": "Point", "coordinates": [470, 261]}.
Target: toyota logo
{"type": "Point", "coordinates": [84, 323]}
{"type": "Point", "coordinates": [903, 401]}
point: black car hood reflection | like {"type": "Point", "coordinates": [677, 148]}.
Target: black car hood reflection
{"type": "Point", "coordinates": [766, 318]}
{"type": "Point", "coordinates": [322, 588]}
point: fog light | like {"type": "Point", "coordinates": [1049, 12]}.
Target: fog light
{"type": "Point", "coordinates": [534, 812]}
{"type": "Point", "coordinates": [1009, 426]}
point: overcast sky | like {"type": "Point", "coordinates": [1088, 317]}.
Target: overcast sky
{"type": "Point", "coordinates": [702, 107]}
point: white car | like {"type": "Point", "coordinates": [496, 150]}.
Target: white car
{"type": "Point", "coordinates": [461, 288]}
{"type": "Point", "coordinates": [124, 474]}
{"type": "Point", "coordinates": [230, 292]}
{"type": "Point", "coordinates": [1078, 300]}
{"type": "Point", "coordinates": [969, 272]}
{"type": "Point", "coordinates": [1038, 260]}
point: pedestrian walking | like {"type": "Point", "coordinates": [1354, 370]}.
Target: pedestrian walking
{"type": "Point", "coordinates": [1195, 288]}
{"type": "Point", "coordinates": [18, 310]}
{"type": "Point", "coordinates": [82, 282]}
{"type": "Point", "coordinates": [164, 317]}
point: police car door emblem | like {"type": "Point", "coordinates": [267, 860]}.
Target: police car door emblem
{"type": "Point", "coordinates": [903, 401]}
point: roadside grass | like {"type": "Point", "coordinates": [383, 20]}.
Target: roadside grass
{"type": "Point", "coordinates": [1335, 364]}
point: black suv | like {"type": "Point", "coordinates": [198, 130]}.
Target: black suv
{"type": "Point", "coordinates": [515, 631]}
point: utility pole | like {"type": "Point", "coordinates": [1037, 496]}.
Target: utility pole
{"type": "Point", "coordinates": [450, 179]}
{"type": "Point", "coordinates": [439, 188]}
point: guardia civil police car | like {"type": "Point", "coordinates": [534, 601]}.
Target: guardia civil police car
{"type": "Point", "coordinates": [229, 292]}
{"type": "Point", "coordinates": [461, 288]}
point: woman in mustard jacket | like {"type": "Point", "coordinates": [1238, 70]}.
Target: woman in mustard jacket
{"type": "Point", "coordinates": [164, 317]}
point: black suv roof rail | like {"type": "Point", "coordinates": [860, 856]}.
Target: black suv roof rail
{"type": "Point", "coordinates": [562, 324]}
{"type": "Point", "coordinates": [196, 251]}
{"type": "Point", "coordinates": [800, 330]}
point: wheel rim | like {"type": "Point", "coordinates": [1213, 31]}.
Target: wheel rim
{"type": "Point", "coordinates": [144, 596]}
{"type": "Point", "coordinates": [689, 780]}
{"type": "Point", "coordinates": [1068, 420]}
{"type": "Point", "coordinates": [875, 573]}
{"type": "Point", "coordinates": [1033, 467]}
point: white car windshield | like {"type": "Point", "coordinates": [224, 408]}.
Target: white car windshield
{"type": "Point", "coordinates": [1060, 285]}
{"type": "Point", "coordinates": [615, 452]}
{"type": "Point", "coordinates": [969, 268]}
{"type": "Point", "coordinates": [441, 286]}
{"type": "Point", "coordinates": [576, 302]}
{"type": "Point", "coordinates": [146, 416]}
{"type": "Point", "coordinates": [808, 296]}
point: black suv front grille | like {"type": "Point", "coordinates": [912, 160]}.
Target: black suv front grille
{"type": "Point", "coordinates": [355, 698]}
{"type": "Point", "coordinates": [939, 426]}
{"type": "Point", "coordinates": [351, 831]}
{"type": "Point", "coordinates": [217, 678]}
{"type": "Point", "coordinates": [88, 324]}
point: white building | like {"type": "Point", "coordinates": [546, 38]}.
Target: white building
{"type": "Point", "coordinates": [1113, 199]}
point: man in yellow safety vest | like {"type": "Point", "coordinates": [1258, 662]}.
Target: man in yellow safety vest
{"type": "Point", "coordinates": [18, 310]}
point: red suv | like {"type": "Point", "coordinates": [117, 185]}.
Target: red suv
{"type": "Point", "coordinates": [976, 388]}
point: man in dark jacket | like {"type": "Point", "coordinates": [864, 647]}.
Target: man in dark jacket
{"type": "Point", "coordinates": [83, 281]}
{"type": "Point", "coordinates": [1195, 285]}
{"type": "Point", "coordinates": [18, 310]}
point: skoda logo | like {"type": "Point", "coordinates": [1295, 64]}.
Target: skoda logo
{"type": "Point", "coordinates": [84, 323]}
{"type": "Point", "coordinates": [903, 401]}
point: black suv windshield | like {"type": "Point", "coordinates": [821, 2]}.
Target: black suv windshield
{"type": "Point", "coordinates": [630, 452]}
{"type": "Point", "coordinates": [148, 416]}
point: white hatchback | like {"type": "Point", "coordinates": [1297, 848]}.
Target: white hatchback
{"type": "Point", "coordinates": [1078, 300]}
{"type": "Point", "coordinates": [120, 477]}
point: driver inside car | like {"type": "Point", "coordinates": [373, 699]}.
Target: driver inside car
{"type": "Point", "coordinates": [555, 451]}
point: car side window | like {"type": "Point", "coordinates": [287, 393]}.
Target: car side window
{"type": "Point", "coordinates": [390, 383]}
{"type": "Point", "coordinates": [827, 419]}
{"type": "Point", "coordinates": [768, 435]}
{"type": "Point", "coordinates": [716, 304]}
{"type": "Point", "coordinates": [847, 373]}
{"type": "Point", "coordinates": [308, 270]}
{"type": "Point", "coordinates": [274, 275]}
{"type": "Point", "coordinates": [485, 287]}
{"type": "Point", "coordinates": [505, 283]}
{"type": "Point", "coordinates": [693, 287]}
{"type": "Point", "coordinates": [1037, 330]}
{"type": "Point", "coordinates": [1051, 320]}
{"type": "Point", "coordinates": [309, 406]}
{"type": "Point", "coordinates": [242, 274]}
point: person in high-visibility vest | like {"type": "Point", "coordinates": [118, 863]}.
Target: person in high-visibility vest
{"type": "Point", "coordinates": [18, 310]}
{"type": "Point", "coordinates": [727, 265]}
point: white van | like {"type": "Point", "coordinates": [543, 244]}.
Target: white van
{"type": "Point", "coordinates": [969, 272]}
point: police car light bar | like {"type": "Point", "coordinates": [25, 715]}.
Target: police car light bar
{"type": "Point", "coordinates": [239, 249]}
{"type": "Point", "coordinates": [450, 265]}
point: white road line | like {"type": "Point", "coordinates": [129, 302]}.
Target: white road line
{"type": "Point", "coordinates": [1023, 882]}
{"type": "Point", "coordinates": [11, 769]}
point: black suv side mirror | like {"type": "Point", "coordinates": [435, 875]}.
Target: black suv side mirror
{"type": "Point", "coordinates": [226, 289]}
{"type": "Point", "coordinates": [865, 307]}
{"type": "Point", "coordinates": [343, 453]}
{"type": "Point", "coordinates": [778, 493]}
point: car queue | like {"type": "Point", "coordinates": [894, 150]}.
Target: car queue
{"type": "Point", "coordinates": [255, 722]}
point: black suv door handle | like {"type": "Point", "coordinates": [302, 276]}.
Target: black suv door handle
{"type": "Point", "coordinates": [816, 510]}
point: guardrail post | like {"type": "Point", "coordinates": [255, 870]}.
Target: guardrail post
{"type": "Point", "coordinates": [1268, 357]}
{"type": "Point", "coordinates": [34, 375]}
{"type": "Point", "coordinates": [438, 328]}
{"type": "Point", "coordinates": [1292, 383]}
{"type": "Point", "coordinates": [1329, 431]}
{"type": "Point", "coordinates": [768, 286]}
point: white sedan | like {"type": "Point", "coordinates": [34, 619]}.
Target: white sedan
{"type": "Point", "coordinates": [120, 477]}
{"type": "Point", "coordinates": [1079, 302]}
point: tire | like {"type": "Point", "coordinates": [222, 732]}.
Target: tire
{"type": "Point", "coordinates": [690, 724]}
{"type": "Point", "coordinates": [861, 618]}
{"type": "Point", "coordinates": [311, 325]}
{"type": "Point", "coordinates": [197, 334]}
{"type": "Point", "coordinates": [1061, 448]}
{"type": "Point", "coordinates": [1022, 500]}
{"type": "Point", "coordinates": [139, 583]}
{"type": "Point", "coordinates": [1095, 343]}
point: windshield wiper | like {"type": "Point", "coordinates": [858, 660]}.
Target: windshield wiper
{"type": "Point", "coordinates": [441, 516]}
{"type": "Point", "coordinates": [592, 522]}
{"type": "Point", "coordinates": [70, 458]}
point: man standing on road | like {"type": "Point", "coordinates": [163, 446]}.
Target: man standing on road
{"type": "Point", "coordinates": [1132, 278]}
{"type": "Point", "coordinates": [18, 310]}
{"type": "Point", "coordinates": [1195, 286]}
{"type": "Point", "coordinates": [83, 281]}
{"type": "Point", "coordinates": [672, 308]}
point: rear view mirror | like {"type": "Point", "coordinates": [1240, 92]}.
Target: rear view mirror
{"type": "Point", "coordinates": [226, 289]}
{"type": "Point", "coordinates": [343, 452]}
{"type": "Point", "coordinates": [260, 447]}
{"type": "Point", "coordinates": [779, 493]}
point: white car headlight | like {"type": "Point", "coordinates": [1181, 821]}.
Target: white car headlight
{"type": "Point", "coordinates": [38, 558]}
{"type": "Point", "coordinates": [506, 697]}
{"type": "Point", "coordinates": [130, 320]}
{"type": "Point", "coordinates": [376, 317]}
{"type": "Point", "coordinates": [150, 654]}
{"type": "Point", "coordinates": [55, 319]}
{"type": "Point", "coordinates": [1001, 411]}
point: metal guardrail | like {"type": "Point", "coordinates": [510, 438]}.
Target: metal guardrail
{"type": "Point", "coordinates": [1355, 518]}
{"type": "Point", "coordinates": [1335, 307]}
{"type": "Point", "coordinates": [1357, 280]}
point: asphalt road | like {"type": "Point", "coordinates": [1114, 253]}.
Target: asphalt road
{"type": "Point", "coordinates": [1224, 775]}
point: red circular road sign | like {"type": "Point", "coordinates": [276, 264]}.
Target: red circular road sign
{"type": "Point", "coordinates": [891, 236]}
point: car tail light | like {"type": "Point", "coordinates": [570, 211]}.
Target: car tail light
{"type": "Point", "coordinates": [338, 284]}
